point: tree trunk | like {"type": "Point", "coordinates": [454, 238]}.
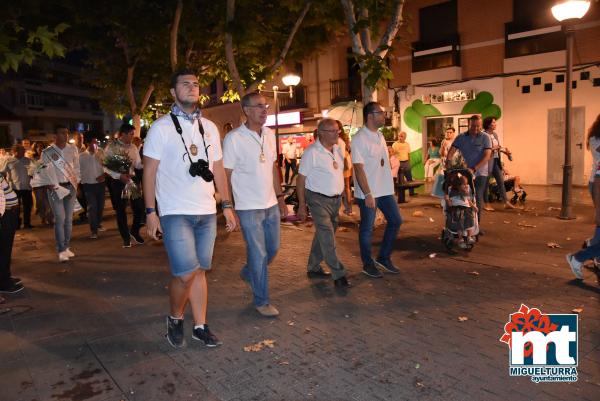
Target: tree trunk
{"type": "Point", "coordinates": [368, 94]}
{"type": "Point", "coordinates": [137, 124]}
{"type": "Point", "coordinates": [173, 35]}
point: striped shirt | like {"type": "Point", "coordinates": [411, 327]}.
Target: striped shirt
{"type": "Point", "coordinates": [10, 197]}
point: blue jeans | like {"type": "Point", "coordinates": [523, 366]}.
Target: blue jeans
{"type": "Point", "coordinates": [261, 233]}
{"type": "Point", "coordinates": [480, 187]}
{"type": "Point", "coordinates": [189, 241]}
{"type": "Point", "coordinates": [63, 217]}
{"type": "Point", "coordinates": [388, 206]}
{"type": "Point", "coordinates": [592, 251]}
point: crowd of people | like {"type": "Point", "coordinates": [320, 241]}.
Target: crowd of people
{"type": "Point", "coordinates": [183, 150]}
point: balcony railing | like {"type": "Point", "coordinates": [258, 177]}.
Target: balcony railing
{"type": "Point", "coordinates": [342, 90]}
{"type": "Point", "coordinates": [298, 101]}
{"type": "Point", "coordinates": [525, 40]}
{"type": "Point", "coordinates": [431, 56]}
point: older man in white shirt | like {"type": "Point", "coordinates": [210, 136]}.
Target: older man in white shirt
{"type": "Point", "coordinates": [62, 168]}
{"type": "Point", "coordinates": [320, 184]}
{"type": "Point", "coordinates": [92, 183]}
{"type": "Point", "coordinates": [250, 161]}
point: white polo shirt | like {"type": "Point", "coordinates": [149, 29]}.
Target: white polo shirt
{"type": "Point", "coordinates": [177, 192]}
{"type": "Point", "coordinates": [368, 149]}
{"type": "Point", "coordinates": [251, 179]}
{"type": "Point", "coordinates": [317, 166]}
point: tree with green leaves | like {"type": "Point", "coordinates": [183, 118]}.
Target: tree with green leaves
{"type": "Point", "coordinates": [24, 36]}
{"type": "Point", "coordinates": [370, 45]}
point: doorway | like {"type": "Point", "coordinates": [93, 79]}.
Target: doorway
{"type": "Point", "coordinates": [556, 145]}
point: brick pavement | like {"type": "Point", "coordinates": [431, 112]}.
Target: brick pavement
{"type": "Point", "coordinates": [92, 329]}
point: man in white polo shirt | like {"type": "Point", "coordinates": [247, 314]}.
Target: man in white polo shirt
{"type": "Point", "coordinates": [320, 184]}
{"type": "Point", "coordinates": [182, 157]}
{"type": "Point", "coordinates": [374, 188]}
{"type": "Point", "coordinates": [92, 182]}
{"type": "Point", "coordinates": [250, 160]}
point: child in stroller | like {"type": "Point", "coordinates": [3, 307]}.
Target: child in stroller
{"type": "Point", "coordinates": [511, 183]}
{"type": "Point", "coordinates": [460, 209]}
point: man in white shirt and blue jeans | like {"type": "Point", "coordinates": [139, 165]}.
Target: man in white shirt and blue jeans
{"type": "Point", "coordinates": [374, 189]}
{"type": "Point", "coordinates": [182, 158]}
{"type": "Point", "coordinates": [92, 182]}
{"type": "Point", "coordinates": [250, 160]}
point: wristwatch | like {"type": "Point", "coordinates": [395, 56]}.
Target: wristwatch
{"type": "Point", "coordinates": [150, 210]}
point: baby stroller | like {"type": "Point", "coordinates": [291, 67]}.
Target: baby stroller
{"type": "Point", "coordinates": [461, 228]}
{"type": "Point", "coordinates": [518, 195]}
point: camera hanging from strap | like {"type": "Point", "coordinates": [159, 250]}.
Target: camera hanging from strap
{"type": "Point", "coordinates": [199, 167]}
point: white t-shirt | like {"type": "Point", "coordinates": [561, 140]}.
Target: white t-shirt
{"type": "Point", "coordinates": [594, 144]}
{"type": "Point", "coordinates": [90, 166]}
{"type": "Point", "coordinates": [177, 192]}
{"type": "Point", "coordinates": [317, 166]}
{"type": "Point", "coordinates": [251, 179]}
{"type": "Point", "coordinates": [369, 149]}
{"type": "Point", "coordinates": [289, 150]}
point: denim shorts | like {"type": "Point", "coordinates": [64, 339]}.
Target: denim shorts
{"type": "Point", "coordinates": [189, 240]}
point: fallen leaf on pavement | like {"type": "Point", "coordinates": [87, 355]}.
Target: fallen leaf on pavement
{"type": "Point", "coordinates": [506, 222]}
{"type": "Point", "coordinates": [291, 323]}
{"type": "Point", "coordinates": [414, 314]}
{"type": "Point", "coordinates": [417, 366]}
{"type": "Point", "coordinates": [552, 245]}
{"type": "Point", "coordinates": [419, 383]}
{"type": "Point", "coordinates": [568, 238]}
{"type": "Point", "coordinates": [431, 220]}
{"type": "Point", "coordinates": [526, 225]}
{"type": "Point", "coordinates": [432, 255]}
{"type": "Point", "coordinates": [259, 346]}
{"type": "Point", "coordinates": [462, 318]}
{"type": "Point", "coordinates": [283, 363]}
{"type": "Point", "coordinates": [577, 310]}
{"type": "Point", "coordinates": [417, 213]}
{"type": "Point", "coordinates": [553, 208]}
{"type": "Point", "coordinates": [473, 273]}
{"type": "Point", "coordinates": [307, 329]}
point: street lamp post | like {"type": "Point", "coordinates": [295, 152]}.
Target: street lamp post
{"type": "Point", "coordinates": [289, 80]}
{"type": "Point", "coordinates": [568, 13]}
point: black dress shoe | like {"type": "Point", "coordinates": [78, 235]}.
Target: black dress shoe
{"type": "Point", "coordinates": [342, 282]}
{"type": "Point", "coordinates": [318, 274]}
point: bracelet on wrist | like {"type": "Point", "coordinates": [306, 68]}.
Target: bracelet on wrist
{"type": "Point", "coordinates": [150, 210]}
{"type": "Point", "coordinates": [225, 204]}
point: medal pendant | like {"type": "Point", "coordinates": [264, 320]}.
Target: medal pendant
{"type": "Point", "coordinates": [262, 158]}
{"type": "Point", "coordinates": [382, 162]}
{"type": "Point", "coordinates": [335, 165]}
{"type": "Point", "coordinates": [194, 150]}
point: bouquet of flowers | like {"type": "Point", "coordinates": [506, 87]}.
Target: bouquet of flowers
{"type": "Point", "coordinates": [35, 167]}
{"type": "Point", "coordinates": [120, 162]}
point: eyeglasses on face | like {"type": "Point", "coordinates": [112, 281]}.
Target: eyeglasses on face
{"type": "Point", "coordinates": [377, 112]}
{"type": "Point", "coordinates": [262, 106]}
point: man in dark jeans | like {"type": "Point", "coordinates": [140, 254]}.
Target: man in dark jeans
{"type": "Point", "coordinates": [20, 183]}
{"type": "Point", "coordinates": [124, 146]}
{"type": "Point", "coordinates": [8, 226]}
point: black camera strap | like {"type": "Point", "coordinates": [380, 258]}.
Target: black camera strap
{"type": "Point", "coordinates": [180, 132]}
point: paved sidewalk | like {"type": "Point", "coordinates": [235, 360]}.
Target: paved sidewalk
{"type": "Point", "coordinates": [92, 328]}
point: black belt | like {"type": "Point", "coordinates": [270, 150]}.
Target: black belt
{"type": "Point", "coordinates": [326, 196]}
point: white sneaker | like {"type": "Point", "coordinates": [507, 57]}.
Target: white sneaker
{"type": "Point", "coordinates": [576, 266]}
{"type": "Point", "coordinates": [69, 253]}
{"type": "Point", "coordinates": [63, 257]}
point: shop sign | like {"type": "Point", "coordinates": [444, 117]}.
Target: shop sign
{"type": "Point", "coordinates": [450, 96]}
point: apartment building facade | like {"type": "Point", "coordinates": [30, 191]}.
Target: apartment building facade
{"type": "Point", "coordinates": [455, 58]}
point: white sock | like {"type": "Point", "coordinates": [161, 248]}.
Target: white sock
{"type": "Point", "coordinates": [176, 318]}
{"type": "Point", "coordinates": [199, 326]}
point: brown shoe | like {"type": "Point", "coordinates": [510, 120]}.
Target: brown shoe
{"type": "Point", "coordinates": [508, 205]}
{"type": "Point", "coordinates": [267, 310]}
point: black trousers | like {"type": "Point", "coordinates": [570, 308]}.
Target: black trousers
{"type": "Point", "coordinates": [25, 205]}
{"type": "Point", "coordinates": [291, 165]}
{"type": "Point", "coordinates": [8, 226]}
{"type": "Point", "coordinates": [137, 206]}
